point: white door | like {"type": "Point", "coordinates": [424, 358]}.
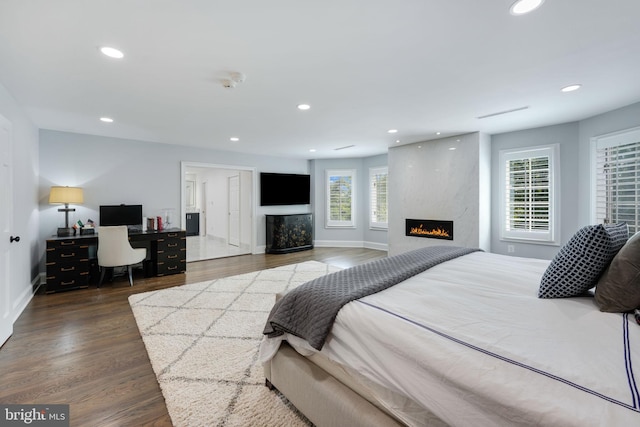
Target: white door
{"type": "Point", "coordinates": [6, 213]}
{"type": "Point", "coordinates": [234, 210]}
{"type": "Point", "coordinates": [203, 213]}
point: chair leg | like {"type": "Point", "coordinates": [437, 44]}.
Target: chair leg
{"type": "Point", "coordinates": [130, 275]}
{"type": "Point", "coordinates": [102, 272]}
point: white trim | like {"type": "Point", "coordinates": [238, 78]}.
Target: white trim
{"type": "Point", "coordinates": [377, 170]}
{"type": "Point", "coordinates": [338, 244]}
{"type": "Point", "coordinates": [551, 237]}
{"type": "Point", "coordinates": [327, 199]}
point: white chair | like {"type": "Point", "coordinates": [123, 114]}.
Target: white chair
{"type": "Point", "coordinates": [114, 250]}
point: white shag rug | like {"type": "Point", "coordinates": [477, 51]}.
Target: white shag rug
{"type": "Point", "coordinates": [203, 340]}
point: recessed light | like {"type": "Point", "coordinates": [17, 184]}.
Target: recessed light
{"type": "Point", "coordinates": [106, 119]}
{"type": "Point", "coordinates": [392, 131]}
{"type": "Point", "coordinates": [304, 106]}
{"type": "Point", "coordinates": [312, 150]}
{"type": "Point", "coordinates": [234, 139]}
{"type": "Point", "coordinates": [397, 141]}
{"type": "Point", "coordinates": [452, 148]}
{"type": "Point", "coordinates": [522, 7]}
{"type": "Point", "coordinates": [571, 88]}
{"type": "Point", "coordinates": [112, 52]}
{"type": "Point", "coordinates": [437, 133]}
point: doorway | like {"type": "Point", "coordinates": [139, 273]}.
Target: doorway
{"type": "Point", "coordinates": [222, 197]}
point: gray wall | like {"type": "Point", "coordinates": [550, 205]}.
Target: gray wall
{"type": "Point", "coordinates": [567, 136]}
{"type": "Point", "coordinates": [360, 235]}
{"type": "Point", "coordinates": [114, 171]}
{"type": "Point", "coordinates": [612, 121]}
{"type": "Point", "coordinates": [428, 180]}
{"type": "Point", "coordinates": [24, 255]}
{"type": "Point", "coordinates": [575, 172]}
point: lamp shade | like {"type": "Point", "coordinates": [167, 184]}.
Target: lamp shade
{"type": "Point", "coordinates": [71, 195]}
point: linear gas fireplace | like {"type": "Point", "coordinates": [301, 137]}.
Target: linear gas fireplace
{"type": "Point", "coordinates": [429, 228]}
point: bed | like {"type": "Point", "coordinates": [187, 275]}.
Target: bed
{"type": "Point", "coordinates": [473, 340]}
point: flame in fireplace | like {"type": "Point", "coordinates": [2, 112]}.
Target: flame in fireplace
{"type": "Point", "coordinates": [439, 232]}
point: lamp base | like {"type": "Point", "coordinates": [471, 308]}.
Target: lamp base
{"type": "Point", "coordinates": [65, 232]}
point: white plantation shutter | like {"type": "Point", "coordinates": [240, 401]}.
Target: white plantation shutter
{"type": "Point", "coordinates": [378, 197]}
{"type": "Point", "coordinates": [340, 198]}
{"type": "Point", "coordinates": [617, 179]}
{"type": "Point", "coordinates": [528, 180]}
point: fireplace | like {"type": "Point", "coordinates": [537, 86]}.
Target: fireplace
{"type": "Point", "coordinates": [429, 228]}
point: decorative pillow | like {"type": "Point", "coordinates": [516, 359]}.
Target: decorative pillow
{"type": "Point", "coordinates": [618, 290]}
{"type": "Point", "coordinates": [577, 267]}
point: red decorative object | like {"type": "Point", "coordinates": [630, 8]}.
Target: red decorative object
{"type": "Point", "coordinates": [159, 221]}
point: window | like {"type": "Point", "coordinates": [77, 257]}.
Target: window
{"type": "Point", "coordinates": [529, 182]}
{"type": "Point", "coordinates": [616, 179]}
{"type": "Point", "coordinates": [378, 197]}
{"type": "Point", "coordinates": [341, 198]}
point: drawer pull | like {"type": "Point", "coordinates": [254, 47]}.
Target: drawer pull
{"type": "Point", "coordinates": [172, 256]}
{"type": "Point", "coordinates": [68, 269]}
{"type": "Point", "coordinates": [68, 255]}
{"type": "Point", "coordinates": [67, 283]}
{"type": "Point", "coordinates": [172, 245]}
{"type": "Point", "coordinates": [72, 242]}
{"type": "Point", "coordinates": [172, 268]}
{"type": "Point", "coordinates": [172, 234]}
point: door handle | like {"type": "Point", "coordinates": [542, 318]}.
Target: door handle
{"type": "Point", "coordinates": [14, 239]}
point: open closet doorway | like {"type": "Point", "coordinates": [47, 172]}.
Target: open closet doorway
{"type": "Point", "coordinates": [217, 210]}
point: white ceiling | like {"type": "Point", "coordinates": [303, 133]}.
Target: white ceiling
{"type": "Point", "coordinates": [364, 66]}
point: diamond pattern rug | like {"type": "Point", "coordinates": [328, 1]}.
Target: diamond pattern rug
{"type": "Point", "coordinates": [203, 340]}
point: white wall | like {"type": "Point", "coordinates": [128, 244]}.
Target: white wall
{"type": "Point", "coordinates": [114, 171]}
{"type": "Point", "coordinates": [24, 255]}
{"type": "Point", "coordinates": [428, 180]}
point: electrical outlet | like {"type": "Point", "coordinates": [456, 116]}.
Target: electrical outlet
{"type": "Point", "coordinates": [511, 249]}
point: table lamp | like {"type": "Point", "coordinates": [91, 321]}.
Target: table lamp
{"type": "Point", "coordinates": [66, 195]}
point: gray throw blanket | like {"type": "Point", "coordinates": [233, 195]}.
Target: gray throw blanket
{"type": "Point", "coordinates": [309, 310]}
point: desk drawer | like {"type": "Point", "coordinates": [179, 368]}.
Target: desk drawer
{"type": "Point", "coordinates": [173, 266]}
{"type": "Point", "coordinates": [67, 265]}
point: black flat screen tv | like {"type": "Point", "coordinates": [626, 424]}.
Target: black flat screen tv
{"type": "Point", "coordinates": [120, 215]}
{"type": "Point", "coordinates": [284, 189]}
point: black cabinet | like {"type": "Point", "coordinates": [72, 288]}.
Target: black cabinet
{"type": "Point", "coordinates": [171, 253]}
{"type": "Point", "coordinates": [67, 264]}
{"type": "Point", "coordinates": [193, 224]}
{"type": "Point", "coordinates": [289, 233]}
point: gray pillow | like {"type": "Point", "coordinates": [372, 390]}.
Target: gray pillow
{"type": "Point", "coordinates": [577, 266]}
{"type": "Point", "coordinates": [618, 289]}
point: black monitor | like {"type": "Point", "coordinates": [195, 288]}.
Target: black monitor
{"type": "Point", "coordinates": [130, 215]}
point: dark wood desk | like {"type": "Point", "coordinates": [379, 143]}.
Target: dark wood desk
{"type": "Point", "coordinates": [72, 261]}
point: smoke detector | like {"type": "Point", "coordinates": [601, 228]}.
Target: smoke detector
{"type": "Point", "coordinates": [229, 84]}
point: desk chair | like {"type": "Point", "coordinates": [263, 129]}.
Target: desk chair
{"type": "Point", "coordinates": [114, 250]}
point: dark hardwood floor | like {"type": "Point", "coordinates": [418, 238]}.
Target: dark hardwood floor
{"type": "Point", "coordinates": [83, 347]}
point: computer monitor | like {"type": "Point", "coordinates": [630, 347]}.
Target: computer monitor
{"type": "Point", "coordinates": [130, 215]}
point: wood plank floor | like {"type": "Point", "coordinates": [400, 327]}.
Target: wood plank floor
{"type": "Point", "coordinates": [83, 347]}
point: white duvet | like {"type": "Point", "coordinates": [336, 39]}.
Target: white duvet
{"type": "Point", "coordinates": [470, 342]}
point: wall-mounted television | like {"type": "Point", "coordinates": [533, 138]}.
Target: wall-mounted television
{"type": "Point", "coordinates": [284, 189]}
{"type": "Point", "coordinates": [121, 215]}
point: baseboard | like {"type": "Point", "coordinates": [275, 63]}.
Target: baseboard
{"type": "Point", "coordinates": [27, 296]}
{"type": "Point", "coordinates": [338, 244]}
{"type": "Point", "coordinates": [377, 246]}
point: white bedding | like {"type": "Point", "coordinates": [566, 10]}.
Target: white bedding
{"type": "Point", "coordinates": [471, 343]}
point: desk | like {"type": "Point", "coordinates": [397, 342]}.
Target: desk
{"type": "Point", "coordinates": [71, 261]}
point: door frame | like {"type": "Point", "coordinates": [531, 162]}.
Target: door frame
{"type": "Point", "coordinates": [6, 269]}
{"type": "Point", "coordinates": [254, 184]}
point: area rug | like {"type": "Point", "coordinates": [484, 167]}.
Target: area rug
{"type": "Point", "coordinates": [203, 340]}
